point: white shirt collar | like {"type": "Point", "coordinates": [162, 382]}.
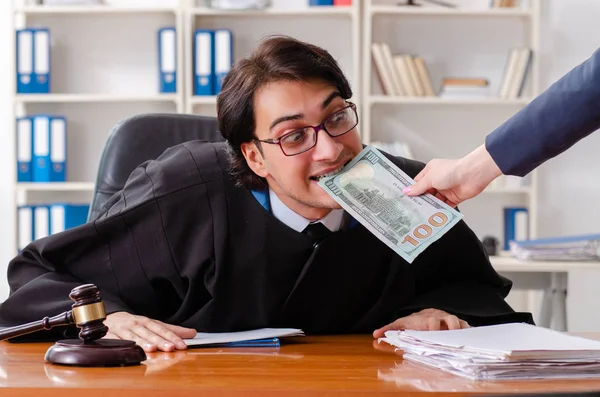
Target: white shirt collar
{"type": "Point", "coordinates": [333, 220]}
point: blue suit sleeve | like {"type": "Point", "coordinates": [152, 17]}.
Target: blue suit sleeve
{"type": "Point", "coordinates": [566, 112]}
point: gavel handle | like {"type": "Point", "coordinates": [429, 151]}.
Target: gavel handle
{"type": "Point", "coordinates": [46, 323]}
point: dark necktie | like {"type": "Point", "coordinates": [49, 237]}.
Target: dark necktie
{"type": "Point", "coordinates": [317, 231]}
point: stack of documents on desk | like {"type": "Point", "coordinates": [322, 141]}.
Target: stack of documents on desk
{"type": "Point", "coordinates": [263, 337]}
{"type": "Point", "coordinates": [573, 248]}
{"type": "Point", "coordinates": [506, 351]}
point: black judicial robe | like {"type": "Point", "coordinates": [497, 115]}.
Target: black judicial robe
{"type": "Point", "coordinates": [181, 244]}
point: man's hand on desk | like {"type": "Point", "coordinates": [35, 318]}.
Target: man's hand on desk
{"type": "Point", "coordinates": [425, 320]}
{"type": "Point", "coordinates": [150, 335]}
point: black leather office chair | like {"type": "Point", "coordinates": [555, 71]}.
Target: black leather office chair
{"type": "Point", "coordinates": [141, 138]}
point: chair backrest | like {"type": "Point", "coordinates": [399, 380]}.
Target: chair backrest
{"type": "Point", "coordinates": [140, 138]}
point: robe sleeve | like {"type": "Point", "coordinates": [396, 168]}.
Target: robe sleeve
{"type": "Point", "coordinates": [462, 281]}
{"type": "Point", "coordinates": [454, 274]}
{"type": "Point", "coordinates": [117, 252]}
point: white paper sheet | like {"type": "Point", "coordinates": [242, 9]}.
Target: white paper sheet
{"type": "Point", "coordinates": [205, 338]}
{"type": "Point", "coordinates": [506, 340]}
{"type": "Point", "coordinates": [506, 351]}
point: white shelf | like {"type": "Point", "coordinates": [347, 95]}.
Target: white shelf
{"type": "Point", "coordinates": [312, 11]}
{"type": "Point", "coordinates": [90, 98]}
{"type": "Point", "coordinates": [382, 99]}
{"type": "Point", "coordinates": [504, 263]}
{"type": "Point", "coordinates": [93, 9]}
{"type": "Point", "coordinates": [414, 113]}
{"type": "Point", "coordinates": [509, 190]}
{"type": "Point", "coordinates": [54, 186]}
{"type": "Point", "coordinates": [203, 100]}
{"type": "Point", "coordinates": [435, 11]}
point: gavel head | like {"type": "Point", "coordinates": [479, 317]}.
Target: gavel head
{"type": "Point", "coordinates": [88, 312]}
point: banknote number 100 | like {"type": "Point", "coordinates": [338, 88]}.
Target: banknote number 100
{"type": "Point", "coordinates": [423, 231]}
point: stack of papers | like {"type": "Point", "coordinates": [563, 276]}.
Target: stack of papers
{"type": "Point", "coordinates": [264, 337]}
{"type": "Point", "coordinates": [572, 248]}
{"type": "Point", "coordinates": [506, 351]}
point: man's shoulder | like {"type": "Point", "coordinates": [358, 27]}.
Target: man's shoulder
{"type": "Point", "coordinates": [411, 167]}
{"type": "Point", "coordinates": [188, 164]}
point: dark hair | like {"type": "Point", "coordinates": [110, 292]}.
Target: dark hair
{"type": "Point", "coordinates": [277, 58]}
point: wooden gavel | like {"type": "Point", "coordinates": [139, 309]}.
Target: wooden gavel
{"type": "Point", "coordinates": [87, 313]}
{"type": "Point", "coordinates": [90, 350]}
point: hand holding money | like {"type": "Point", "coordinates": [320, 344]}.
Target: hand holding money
{"type": "Point", "coordinates": [370, 189]}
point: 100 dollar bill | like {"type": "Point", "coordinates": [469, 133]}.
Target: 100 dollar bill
{"type": "Point", "coordinates": [370, 189]}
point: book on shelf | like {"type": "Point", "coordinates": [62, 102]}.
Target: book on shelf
{"type": "Point", "coordinates": [465, 87]}
{"type": "Point", "coordinates": [407, 75]}
{"type": "Point", "coordinates": [213, 58]}
{"type": "Point", "coordinates": [515, 73]}
{"type": "Point", "coordinates": [33, 61]}
{"type": "Point", "coordinates": [401, 74]}
{"type": "Point", "coordinates": [330, 2]}
{"type": "Point", "coordinates": [516, 225]}
{"type": "Point", "coordinates": [522, 4]}
{"type": "Point", "coordinates": [41, 148]}
{"type": "Point", "coordinates": [167, 60]}
{"type": "Point", "coordinates": [238, 4]}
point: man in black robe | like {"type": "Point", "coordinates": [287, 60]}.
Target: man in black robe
{"type": "Point", "coordinates": [215, 237]}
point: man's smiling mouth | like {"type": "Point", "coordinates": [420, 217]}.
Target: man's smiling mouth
{"type": "Point", "coordinates": [329, 173]}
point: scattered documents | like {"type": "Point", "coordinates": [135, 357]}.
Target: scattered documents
{"type": "Point", "coordinates": [571, 248]}
{"type": "Point", "coordinates": [258, 337]}
{"type": "Point", "coordinates": [505, 351]}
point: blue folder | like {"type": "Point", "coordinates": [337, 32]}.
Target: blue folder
{"type": "Point", "coordinates": [269, 342]}
{"type": "Point", "coordinates": [24, 149]}
{"type": "Point", "coordinates": [204, 61]}
{"type": "Point", "coordinates": [24, 67]}
{"type": "Point", "coordinates": [167, 60]}
{"type": "Point", "coordinates": [223, 57]}
{"type": "Point", "coordinates": [41, 60]}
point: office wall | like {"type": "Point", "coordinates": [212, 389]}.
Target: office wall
{"type": "Point", "coordinates": [570, 183]}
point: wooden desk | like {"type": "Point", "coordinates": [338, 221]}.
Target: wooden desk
{"type": "Point", "coordinates": [312, 366]}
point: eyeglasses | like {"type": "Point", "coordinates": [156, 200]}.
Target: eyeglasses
{"type": "Point", "coordinates": [305, 138]}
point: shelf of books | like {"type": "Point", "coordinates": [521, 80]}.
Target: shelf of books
{"type": "Point", "coordinates": [218, 36]}
{"type": "Point", "coordinates": [439, 78]}
{"type": "Point", "coordinates": [72, 89]}
{"type": "Point", "coordinates": [162, 56]}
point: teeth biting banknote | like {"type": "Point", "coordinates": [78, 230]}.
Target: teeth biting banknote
{"type": "Point", "coordinates": [370, 189]}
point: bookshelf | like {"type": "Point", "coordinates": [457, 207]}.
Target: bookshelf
{"type": "Point", "coordinates": [472, 40]}
{"type": "Point", "coordinates": [101, 75]}
{"type": "Point", "coordinates": [105, 72]}
{"type": "Point", "coordinates": [291, 17]}
{"type": "Point", "coordinates": [108, 70]}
